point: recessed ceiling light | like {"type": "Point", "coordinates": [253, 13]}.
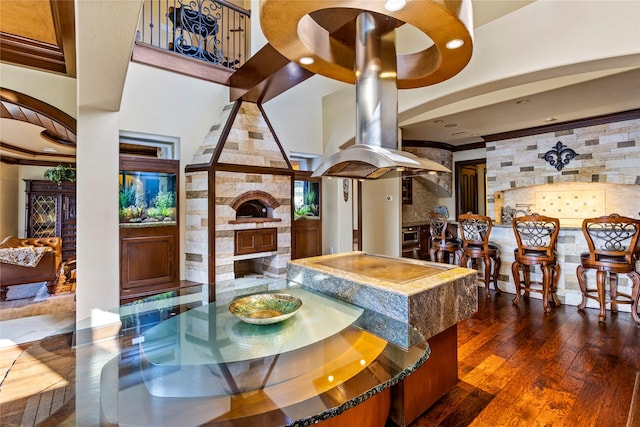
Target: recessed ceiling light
{"type": "Point", "coordinates": [458, 133]}
{"type": "Point", "coordinates": [450, 125]}
{"type": "Point", "coordinates": [306, 60]}
{"type": "Point", "coordinates": [550, 119]}
{"type": "Point", "coordinates": [438, 121]}
{"type": "Point", "coordinates": [522, 101]}
{"type": "Point", "coordinates": [394, 5]}
{"type": "Point", "coordinates": [454, 44]}
{"type": "Point", "coordinates": [49, 150]}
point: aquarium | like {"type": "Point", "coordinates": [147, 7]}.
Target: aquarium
{"type": "Point", "coordinates": [306, 199]}
{"type": "Point", "coordinates": [147, 198]}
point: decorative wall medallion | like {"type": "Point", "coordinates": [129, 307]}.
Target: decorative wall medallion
{"type": "Point", "coordinates": [345, 189]}
{"type": "Point", "coordinates": [559, 156]}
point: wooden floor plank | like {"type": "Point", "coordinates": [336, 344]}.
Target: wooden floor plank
{"type": "Point", "coordinates": [564, 368]}
{"type": "Point", "coordinates": [517, 367]}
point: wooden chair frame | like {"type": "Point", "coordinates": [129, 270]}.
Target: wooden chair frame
{"type": "Point", "coordinates": [613, 249]}
{"type": "Point", "coordinates": [475, 231]}
{"type": "Point", "coordinates": [536, 236]}
{"type": "Point", "coordinates": [441, 239]}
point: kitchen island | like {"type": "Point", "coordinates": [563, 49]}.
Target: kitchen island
{"type": "Point", "coordinates": [432, 297]}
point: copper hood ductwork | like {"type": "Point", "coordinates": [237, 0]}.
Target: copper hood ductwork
{"type": "Point", "coordinates": [339, 34]}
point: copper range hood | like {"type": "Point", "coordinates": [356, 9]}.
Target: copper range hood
{"type": "Point", "coordinates": [354, 41]}
{"type": "Point", "coordinates": [375, 153]}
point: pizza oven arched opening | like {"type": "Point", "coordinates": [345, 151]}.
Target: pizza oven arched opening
{"type": "Point", "coordinates": [252, 209]}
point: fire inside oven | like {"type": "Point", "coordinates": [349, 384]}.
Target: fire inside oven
{"type": "Point", "coordinates": [411, 242]}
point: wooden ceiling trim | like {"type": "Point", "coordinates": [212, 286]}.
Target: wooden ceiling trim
{"type": "Point", "coordinates": [18, 106]}
{"type": "Point", "coordinates": [31, 53]}
{"type": "Point", "coordinates": [63, 12]}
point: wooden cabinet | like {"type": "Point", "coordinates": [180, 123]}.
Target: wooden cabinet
{"type": "Point", "coordinates": [51, 212]}
{"type": "Point", "coordinates": [148, 260]}
{"type": "Point", "coordinates": [407, 190]}
{"type": "Point", "coordinates": [256, 240]}
{"type": "Point", "coordinates": [149, 233]}
{"type": "Point", "coordinates": [425, 241]}
{"type": "Point", "coordinates": [307, 236]}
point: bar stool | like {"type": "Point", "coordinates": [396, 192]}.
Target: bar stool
{"type": "Point", "coordinates": [613, 246]}
{"type": "Point", "coordinates": [536, 236]}
{"type": "Point", "coordinates": [442, 241]}
{"type": "Point", "coordinates": [475, 231]}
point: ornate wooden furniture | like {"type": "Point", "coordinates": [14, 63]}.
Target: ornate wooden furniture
{"type": "Point", "coordinates": [51, 212]}
{"type": "Point", "coordinates": [536, 236]}
{"type": "Point", "coordinates": [475, 231]}
{"type": "Point", "coordinates": [46, 270]}
{"type": "Point", "coordinates": [613, 249]}
{"type": "Point", "coordinates": [442, 241]}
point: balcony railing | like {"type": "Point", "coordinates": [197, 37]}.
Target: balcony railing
{"type": "Point", "coordinates": [211, 31]}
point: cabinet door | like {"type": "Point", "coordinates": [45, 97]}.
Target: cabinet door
{"type": "Point", "coordinates": [68, 226]}
{"type": "Point", "coordinates": [307, 236]}
{"type": "Point", "coordinates": [43, 215]}
{"type": "Point", "coordinates": [253, 241]}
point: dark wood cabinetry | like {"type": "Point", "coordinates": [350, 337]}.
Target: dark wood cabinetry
{"type": "Point", "coordinates": [307, 235]}
{"type": "Point", "coordinates": [149, 240]}
{"type": "Point", "coordinates": [51, 212]}
{"type": "Point", "coordinates": [425, 241]}
{"type": "Point", "coordinates": [256, 240]}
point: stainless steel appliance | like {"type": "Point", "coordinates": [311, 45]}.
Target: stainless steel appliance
{"type": "Point", "coordinates": [411, 242]}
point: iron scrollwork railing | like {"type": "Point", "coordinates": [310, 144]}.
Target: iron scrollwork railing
{"type": "Point", "coordinates": [559, 156]}
{"type": "Point", "coordinates": [211, 31]}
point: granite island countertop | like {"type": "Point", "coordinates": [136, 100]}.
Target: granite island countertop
{"type": "Point", "coordinates": [431, 296]}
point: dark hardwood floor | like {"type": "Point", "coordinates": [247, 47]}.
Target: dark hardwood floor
{"type": "Point", "coordinates": [517, 367]}
{"type": "Point", "coordinates": [520, 367]}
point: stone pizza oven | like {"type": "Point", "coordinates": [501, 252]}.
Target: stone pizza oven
{"type": "Point", "coordinates": [238, 188]}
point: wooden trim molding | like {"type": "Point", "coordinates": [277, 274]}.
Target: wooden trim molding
{"type": "Point", "coordinates": [31, 53]}
{"type": "Point", "coordinates": [170, 61]}
{"type": "Point", "coordinates": [572, 124]}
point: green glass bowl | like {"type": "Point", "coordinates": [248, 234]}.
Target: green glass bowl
{"type": "Point", "coordinates": [265, 309]}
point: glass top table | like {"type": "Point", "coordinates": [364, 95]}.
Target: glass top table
{"type": "Point", "coordinates": [204, 366]}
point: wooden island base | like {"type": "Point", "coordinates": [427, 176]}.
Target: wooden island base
{"type": "Point", "coordinates": [439, 374]}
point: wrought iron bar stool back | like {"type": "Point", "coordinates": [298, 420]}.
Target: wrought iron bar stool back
{"type": "Point", "coordinates": [536, 236]}
{"type": "Point", "coordinates": [442, 241]}
{"type": "Point", "coordinates": [475, 231]}
{"type": "Point", "coordinates": [613, 249]}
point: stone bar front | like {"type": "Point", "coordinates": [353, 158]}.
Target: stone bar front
{"type": "Point", "coordinates": [432, 297]}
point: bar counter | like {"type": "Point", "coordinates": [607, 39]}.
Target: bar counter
{"type": "Point", "coordinates": [571, 243]}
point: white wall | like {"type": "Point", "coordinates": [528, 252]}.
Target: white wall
{"type": "Point", "coordinates": [382, 216]}
{"type": "Point", "coordinates": [337, 221]}
{"type": "Point", "coordinates": [54, 89]}
{"type": "Point", "coordinates": [181, 107]}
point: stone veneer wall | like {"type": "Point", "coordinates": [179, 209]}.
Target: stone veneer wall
{"type": "Point", "coordinates": [196, 227]}
{"type": "Point", "coordinates": [250, 142]}
{"type": "Point", "coordinates": [228, 186]}
{"type": "Point", "coordinates": [608, 153]}
{"type": "Point", "coordinates": [427, 189]}
{"type": "Point", "coordinates": [608, 163]}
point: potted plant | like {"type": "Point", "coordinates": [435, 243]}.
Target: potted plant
{"type": "Point", "coordinates": [61, 173]}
